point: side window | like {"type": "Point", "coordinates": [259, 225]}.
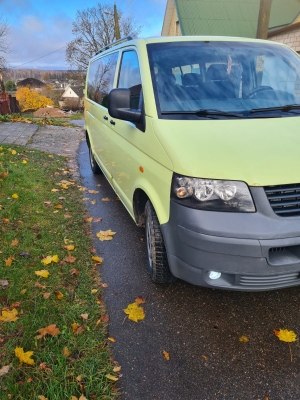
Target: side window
{"type": "Point", "coordinates": [101, 78]}
{"type": "Point", "coordinates": [130, 78]}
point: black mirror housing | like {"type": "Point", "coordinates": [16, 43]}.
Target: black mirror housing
{"type": "Point", "coordinates": [119, 106]}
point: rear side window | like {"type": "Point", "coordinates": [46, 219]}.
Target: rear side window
{"type": "Point", "coordinates": [130, 78]}
{"type": "Point", "coordinates": [101, 78]}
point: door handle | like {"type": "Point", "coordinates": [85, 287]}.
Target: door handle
{"type": "Point", "coordinates": [112, 122]}
{"type": "Point", "coordinates": [105, 117]}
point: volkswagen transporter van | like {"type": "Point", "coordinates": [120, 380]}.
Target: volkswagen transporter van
{"type": "Point", "coordinates": [200, 139]}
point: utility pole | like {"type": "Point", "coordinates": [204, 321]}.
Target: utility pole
{"type": "Point", "coordinates": [117, 28]}
{"type": "Point", "coordinates": [263, 19]}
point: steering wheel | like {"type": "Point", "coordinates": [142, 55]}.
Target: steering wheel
{"type": "Point", "coordinates": [259, 89]}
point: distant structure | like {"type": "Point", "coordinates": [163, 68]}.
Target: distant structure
{"type": "Point", "coordinates": [232, 18]}
{"type": "Point", "coordinates": [31, 82]}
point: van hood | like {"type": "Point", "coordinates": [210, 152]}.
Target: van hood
{"type": "Point", "coordinates": [260, 152]}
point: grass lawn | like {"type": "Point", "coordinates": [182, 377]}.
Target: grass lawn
{"type": "Point", "coordinates": [60, 319]}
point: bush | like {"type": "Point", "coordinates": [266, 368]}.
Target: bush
{"type": "Point", "coordinates": [31, 100]}
{"type": "Point", "coordinates": [10, 86]}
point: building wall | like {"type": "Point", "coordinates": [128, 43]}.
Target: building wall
{"type": "Point", "coordinates": [291, 38]}
{"type": "Point", "coordinates": [174, 26]}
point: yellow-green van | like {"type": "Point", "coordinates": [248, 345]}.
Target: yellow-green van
{"type": "Point", "coordinates": [200, 139]}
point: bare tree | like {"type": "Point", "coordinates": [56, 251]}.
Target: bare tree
{"type": "Point", "coordinates": [93, 29]}
{"type": "Point", "coordinates": [4, 48]}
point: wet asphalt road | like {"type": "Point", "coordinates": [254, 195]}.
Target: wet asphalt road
{"type": "Point", "coordinates": [200, 328]}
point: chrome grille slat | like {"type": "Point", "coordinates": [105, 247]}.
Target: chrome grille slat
{"type": "Point", "coordinates": [284, 199]}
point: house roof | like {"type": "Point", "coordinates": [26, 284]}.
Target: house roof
{"type": "Point", "coordinates": [31, 82]}
{"type": "Point", "coordinates": [227, 17]}
{"type": "Point", "coordinates": [76, 89]}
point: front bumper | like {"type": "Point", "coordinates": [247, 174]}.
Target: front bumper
{"type": "Point", "coordinates": [253, 251]}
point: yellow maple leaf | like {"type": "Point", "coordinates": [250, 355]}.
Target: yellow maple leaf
{"type": "Point", "coordinates": [15, 196]}
{"type": "Point", "coordinates": [111, 377]}
{"type": "Point", "coordinates": [286, 335]}
{"type": "Point", "coordinates": [14, 243]}
{"type": "Point", "coordinates": [134, 312]}
{"type": "Point", "coordinates": [69, 247]}
{"type": "Point", "coordinates": [9, 315]}
{"type": "Point", "coordinates": [13, 152]}
{"type": "Point", "coordinates": [50, 259]}
{"type": "Point", "coordinates": [66, 352]}
{"type": "Point", "coordinates": [24, 357]}
{"type": "Point", "coordinates": [244, 339]}
{"type": "Point", "coordinates": [93, 291]}
{"type": "Point", "coordinates": [24, 162]}
{"type": "Point", "coordinates": [97, 259]}
{"type": "Point", "coordinates": [105, 235]}
{"type": "Point", "coordinates": [58, 206]}
{"type": "Point", "coordinates": [43, 273]}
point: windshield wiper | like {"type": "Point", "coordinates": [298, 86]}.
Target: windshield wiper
{"type": "Point", "coordinates": [206, 113]}
{"type": "Point", "coordinates": [285, 108]}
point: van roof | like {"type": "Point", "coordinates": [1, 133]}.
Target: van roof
{"type": "Point", "coordinates": [167, 39]}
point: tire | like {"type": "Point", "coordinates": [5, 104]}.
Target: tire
{"type": "Point", "coordinates": [93, 163]}
{"type": "Point", "coordinates": [158, 266]}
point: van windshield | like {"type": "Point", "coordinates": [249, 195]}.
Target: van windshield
{"type": "Point", "coordinates": [224, 79]}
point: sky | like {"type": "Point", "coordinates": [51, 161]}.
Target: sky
{"type": "Point", "coordinates": [39, 27]}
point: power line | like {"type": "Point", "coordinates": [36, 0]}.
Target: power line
{"type": "Point", "coordinates": [28, 62]}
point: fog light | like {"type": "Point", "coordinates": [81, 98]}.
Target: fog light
{"type": "Point", "coordinates": [214, 275]}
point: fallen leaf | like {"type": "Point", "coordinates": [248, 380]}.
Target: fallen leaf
{"type": "Point", "coordinates": [244, 339]}
{"type": "Point", "coordinates": [77, 329]}
{"type": "Point", "coordinates": [59, 295]}
{"type": "Point", "coordinates": [111, 377]}
{"type": "Point", "coordinates": [93, 291]}
{"type": "Point", "coordinates": [140, 300]}
{"type": "Point", "coordinates": [117, 369]}
{"type": "Point", "coordinates": [9, 261]}
{"type": "Point", "coordinates": [23, 291]}
{"type": "Point", "coordinates": [37, 284]}
{"type": "Point", "coordinates": [74, 271]}
{"type": "Point", "coordinates": [205, 358]}
{"type": "Point", "coordinates": [68, 216]}
{"type": "Point", "coordinates": [54, 190]}
{"type": "Point", "coordinates": [15, 196]}
{"type": "Point", "coordinates": [105, 235]}
{"type": "Point", "coordinates": [70, 259]}
{"type": "Point", "coordinates": [24, 162]}
{"type": "Point", "coordinates": [9, 315]}
{"type": "Point", "coordinates": [79, 378]}
{"type": "Point", "coordinates": [5, 221]}
{"type": "Point", "coordinates": [14, 243]}
{"type": "Point", "coordinates": [42, 398]}
{"type": "Point", "coordinates": [134, 312]}
{"type": "Point", "coordinates": [13, 152]}
{"type": "Point", "coordinates": [111, 339]}
{"type": "Point", "coordinates": [24, 357]}
{"type": "Point", "coordinates": [65, 352]}
{"type": "Point", "coordinates": [84, 316]}
{"type": "Point", "coordinates": [50, 259]}
{"type": "Point", "coordinates": [104, 318]}
{"type": "Point", "coordinates": [166, 355]}
{"type": "Point", "coordinates": [43, 367]}
{"type": "Point", "coordinates": [47, 203]}
{"type": "Point", "coordinates": [43, 273]}
{"type": "Point", "coordinates": [58, 206]}
{"type": "Point", "coordinates": [93, 201]}
{"type": "Point", "coordinates": [286, 335]}
{"type": "Point", "coordinates": [48, 330]}
{"type": "Point", "coordinates": [97, 219]}
{"type": "Point", "coordinates": [104, 285]}
{"type": "Point", "coordinates": [93, 191]}
{"type": "Point", "coordinates": [89, 219]}
{"type": "Point", "coordinates": [69, 247]}
{"type": "Point", "coordinates": [46, 295]}
{"type": "Point", "coordinates": [4, 370]}
{"type": "Point", "coordinates": [3, 283]}
{"type": "Point", "coordinates": [99, 260]}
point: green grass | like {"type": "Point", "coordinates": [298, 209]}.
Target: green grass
{"type": "Point", "coordinates": [29, 118]}
{"type": "Point", "coordinates": [43, 230]}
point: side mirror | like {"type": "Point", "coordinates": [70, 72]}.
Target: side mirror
{"type": "Point", "coordinates": [119, 106]}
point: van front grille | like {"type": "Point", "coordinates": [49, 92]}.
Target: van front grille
{"type": "Point", "coordinates": [264, 282]}
{"type": "Point", "coordinates": [284, 199]}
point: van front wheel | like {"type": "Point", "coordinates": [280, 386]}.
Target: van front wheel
{"type": "Point", "coordinates": [94, 166]}
{"type": "Point", "coordinates": [158, 266]}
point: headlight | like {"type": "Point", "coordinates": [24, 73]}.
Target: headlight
{"type": "Point", "coordinates": [212, 194]}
